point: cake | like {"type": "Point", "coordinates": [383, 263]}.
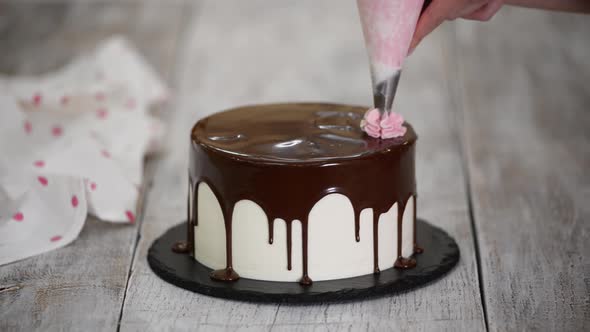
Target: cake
{"type": "Point", "coordinates": [297, 192]}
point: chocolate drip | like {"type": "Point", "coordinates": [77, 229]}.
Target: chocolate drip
{"type": "Point", "coordinates": [286, 157]}
{"type": "Point", "coordinates": [401, 207]}
{"type": "Point", "coordinates": [357, 225]}
{"type": "Point", "coordinates": [271, 230]}
{"type": "Point", "coordinates": [289, 244]}
{"type": "Point", "coordinates": [376, 242]}
{"type": "Point", "coordinates": [227, 274]}
{"type": "Point", "coordinates": [195, 208]}
{"type": "Point", "coordinates": [402, 262]}
{"type": "Point", "coordinates": [417, 248]}
{"type": "Point", "coordinates": [305, 280]}
{"type": "Point", "coordinates": [193, 213]}
{"type": "Point", "coordinates": [188, 245]}
{"type": "Point", "coordinates": [181, 247]}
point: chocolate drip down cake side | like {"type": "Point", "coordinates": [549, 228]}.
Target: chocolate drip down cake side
{"type": "Point", "coordinates": [299, 193]}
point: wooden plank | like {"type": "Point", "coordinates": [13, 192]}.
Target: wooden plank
{"type": "Point", "coordinates": [81, 286]}
{"type": "Point", "coordinates": [526, 121]}
{"type": "Point", "coordinates": [260, 51]}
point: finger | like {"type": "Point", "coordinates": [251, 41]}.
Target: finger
{"type": "Point", "coordinates": [472, 7]}
{"type": "Point", "coordinates": [432, 17]}
{"type": "Point", "coordinates": [486, 12]}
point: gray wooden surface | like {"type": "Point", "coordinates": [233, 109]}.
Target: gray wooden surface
{"type": "Point", "coordinates": [526, 131]}
{"type": "Point", "coordinates": [503, 159]}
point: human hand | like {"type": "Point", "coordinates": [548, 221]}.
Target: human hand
{"type": "Point", "coordinates": [440, 10]}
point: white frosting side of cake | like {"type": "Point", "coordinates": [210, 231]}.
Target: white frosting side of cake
{"type": "Point", "coordinates": [253, 256]}
{"type": "Point", "coordinates": [333, 252]}
{"type": "Point", "coordinates": [210, 232]}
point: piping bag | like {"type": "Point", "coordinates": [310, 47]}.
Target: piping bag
{"type": "Point", "coordinates": [388, 28]}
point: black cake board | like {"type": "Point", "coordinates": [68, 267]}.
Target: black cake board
{"type": "Point", "coordinates": [440, 255]}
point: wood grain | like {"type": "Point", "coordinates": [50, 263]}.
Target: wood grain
{"type": "Point", "coordinates": [79, 287]}
{"type": "Point", "coordinates": [260, 51]}
{"type": "Point", "coordinates": [525, 113]}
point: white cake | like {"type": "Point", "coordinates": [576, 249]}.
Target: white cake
{"type": "Point", "coordinates": [267, 168]}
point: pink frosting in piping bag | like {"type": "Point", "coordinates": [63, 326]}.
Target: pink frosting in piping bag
{"type": "Point", "coordinates": [388, 27]}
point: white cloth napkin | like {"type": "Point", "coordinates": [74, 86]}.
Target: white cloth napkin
{"type": "Point", "coordinates": [73, 142]}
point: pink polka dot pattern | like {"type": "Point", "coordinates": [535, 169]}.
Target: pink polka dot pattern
{"type": "Point", "coordinates": [28, 127]}
{"type": "Point", "coordinates": [37, 99]}
{"type": "Point", "coordinates": [130, 216]}
{"type": "Point", "coordinates": [18, 217]}
{"type": "Point", "coordinates": [73, 140]}
{"type": "Point", "coordinates": [43, 181]}
{"type": "Point", "coordinates": [102, 113]}
{"type": "Point", "coordinates": [56, 131]}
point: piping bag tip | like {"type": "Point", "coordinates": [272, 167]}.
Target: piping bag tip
{"type": "Point", "coordinates": [388, 27]}
{"type": "Point", "coordinates": [384, 92]}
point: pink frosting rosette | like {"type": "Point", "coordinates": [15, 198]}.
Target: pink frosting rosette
{"type": "Point", "coordinates": [388, 125]}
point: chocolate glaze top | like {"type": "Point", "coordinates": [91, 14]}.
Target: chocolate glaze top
{"type": "Point", "coordinates": [299, 133]}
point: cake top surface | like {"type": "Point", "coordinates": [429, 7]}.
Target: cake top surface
{"type": "Point", "coordinates": [293, 133]}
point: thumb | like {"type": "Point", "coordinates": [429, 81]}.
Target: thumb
{"type": "Point", "coordinates": [431, 18]}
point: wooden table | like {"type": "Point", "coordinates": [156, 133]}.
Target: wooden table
{"type": "Point", "coordinates": [503, 114]}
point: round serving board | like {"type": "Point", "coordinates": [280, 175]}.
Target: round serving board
{"type": "Point", "coordinates": [440, 255]}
